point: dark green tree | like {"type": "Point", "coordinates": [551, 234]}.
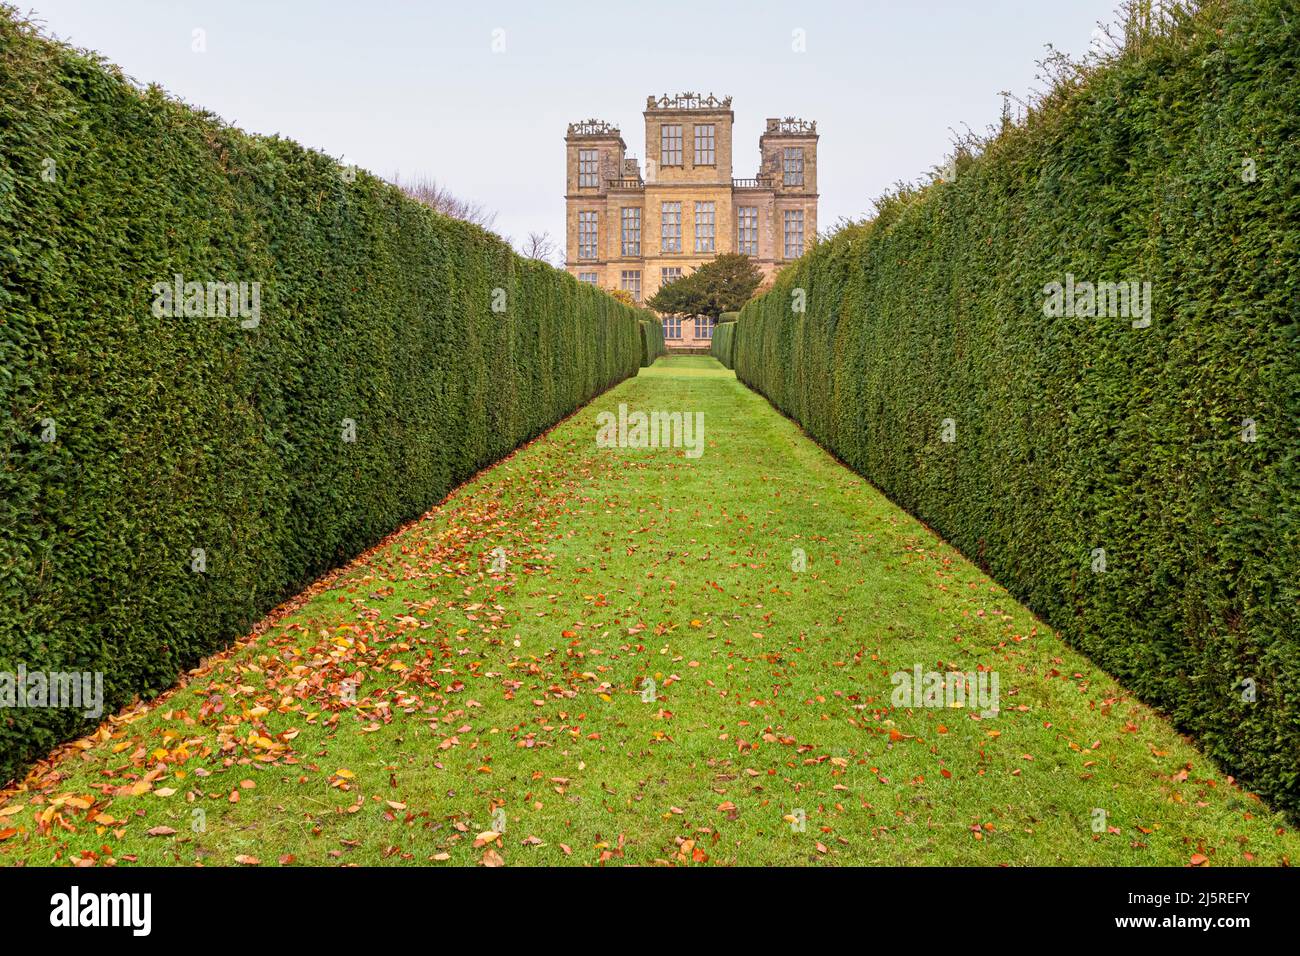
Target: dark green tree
{"type": "Point", "coordinates": [722, 285]}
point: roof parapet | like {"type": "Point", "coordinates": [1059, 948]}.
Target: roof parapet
{"type": "Point", "coordinates": [687, 101]}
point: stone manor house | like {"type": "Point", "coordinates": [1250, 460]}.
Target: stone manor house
{"type": "Point", "coordinates": [625, 230]}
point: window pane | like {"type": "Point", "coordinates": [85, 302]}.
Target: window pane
{"type": "Point", "coordinates": [747, 230]}
{"type": "Point", "coordinates": [587, 175]}
{"type": "Point", "coordinates": [631, 282]}
{"type": "Point", "coordinates": [792, 166]}
{"type": "Point", "coordinates": [631, 231]}
{"type": "Point", "coordinates": [671, 235]}
{"type": "Point", "coordinates": [586, 235]}
{"type": "Point", "coordinates": [793, 233]}
{"type": "Point", "coordinates": [704, 227]}
{"type": "Point", "coordinates": [704, 152]}
{"type": "Point", "coordinates": [670, 145]}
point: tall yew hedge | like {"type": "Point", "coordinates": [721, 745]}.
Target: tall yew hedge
{"type": "Point", "coordinates": [723, 345]}
{"type": "Point", "coordinates": [652, 341]}
{"type": "Point", "coordinates": [129, 440]}
{"type": "Point", "coordinates": [1076, 434]}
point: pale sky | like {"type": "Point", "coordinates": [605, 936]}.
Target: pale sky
{"type": "Point", "coordinates": [417, 86]}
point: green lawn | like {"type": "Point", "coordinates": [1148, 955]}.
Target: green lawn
{"type": "Point", "coordinates": [519, 695]}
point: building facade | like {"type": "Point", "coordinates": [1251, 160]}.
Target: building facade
{"type": "Point", "coordinates": [625, 230]}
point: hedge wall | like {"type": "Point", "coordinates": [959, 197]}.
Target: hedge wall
{"type": "Point", "coordinates": [723, 345]}
{"type": "Point", "coordinates": [1075, 434]}
{"type": "Point", "coordinates": [175, 434]}
{"type": "Point", "coordinates": [652, 341]}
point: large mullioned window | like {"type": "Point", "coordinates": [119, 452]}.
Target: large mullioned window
{"type": "Point", "coordinates": [704, 214]}
{"type": "Point", "coordinates": [670, 239]}
{"type": "Point", "coordinates": [747, 230]}
{"type": "Point", "coordinates": [631, 231]}
{"type": "Point", "coordinates": [792, 166]}
{"type": "Point", "coordinates": [670, 145]}
{"type": "Point", "coordinates": [587, 174]}
{"type": "Point", "coordinates": [586, 235]}
{"type": "Point", "coordinates": [703, 226]}
{"type": "Point", "coordinates": [793, 233]}
{"type": "Point", "coordinates": [631, 282]}
{"type": "Point", "coordinates": [704, 151]}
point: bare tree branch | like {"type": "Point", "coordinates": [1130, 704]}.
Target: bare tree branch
{"type": "Point", "coordinates": [539, 245]}
{"type": "Point", "coordinates": [426, 190]}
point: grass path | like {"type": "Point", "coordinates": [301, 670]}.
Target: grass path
{"type": "Point", "coordinates": [519, 696]}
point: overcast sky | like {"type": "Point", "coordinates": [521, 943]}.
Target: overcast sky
{"type": "Point", "coordinates": [425, 88]}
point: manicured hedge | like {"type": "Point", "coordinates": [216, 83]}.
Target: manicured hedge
{"type": "Point", "coordinates": [724, 341]}
{"type": "Point", "coordinates": [175, 434]}
{"type": "Point", "coordinates": [1075, 434]}
{"type": "Point", "coordinates": [652, 341]}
